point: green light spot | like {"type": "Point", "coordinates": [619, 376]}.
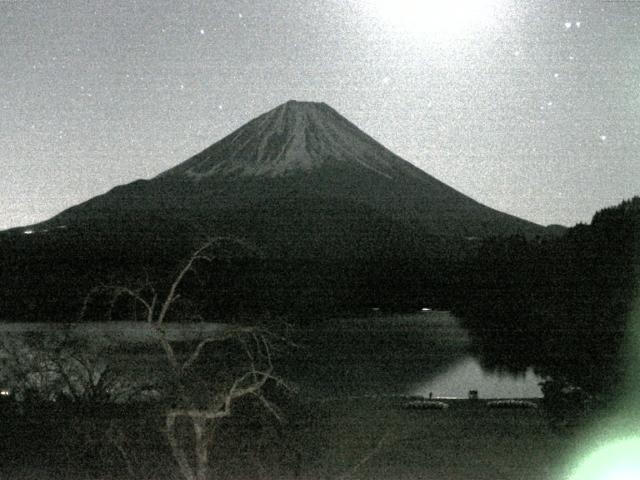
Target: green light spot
{"type": "Point", "coordinates": [619, 460]}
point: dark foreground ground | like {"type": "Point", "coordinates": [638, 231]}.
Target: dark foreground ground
{"type": "Point", "coordinates": [373, 438]}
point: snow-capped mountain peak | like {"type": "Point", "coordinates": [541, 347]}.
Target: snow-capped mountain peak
{"type": "Point", "coordinates": [292, 138]}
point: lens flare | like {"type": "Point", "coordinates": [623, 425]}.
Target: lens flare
{"type": "Point", "coordinates": [618, 460]}
{"type": "Point", "coordinates": [617, 437]}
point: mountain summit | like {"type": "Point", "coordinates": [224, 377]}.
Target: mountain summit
{"type": "Point", "coordinates": [293, 137]}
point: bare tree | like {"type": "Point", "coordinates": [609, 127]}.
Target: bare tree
{"type": "Point", "coordinates": [202, 404]}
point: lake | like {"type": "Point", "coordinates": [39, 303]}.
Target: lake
{"type": "Point", "coordinates": [411, 354]}
{"type": "Point", "coordinates": [466, 374]}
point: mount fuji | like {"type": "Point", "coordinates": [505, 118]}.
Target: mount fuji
{"type": "Point", "coordinates": [298, 155]}
{"type": "Point", "coordinates": [319, 199]}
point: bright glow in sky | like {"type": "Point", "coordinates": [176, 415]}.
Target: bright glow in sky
{"type": "Point", "coordinates": [530, 107]}
{"type": "Point", "coordinates": [438, 18]}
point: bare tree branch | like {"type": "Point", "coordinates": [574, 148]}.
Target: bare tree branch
{"type": "Point", "coordinates": [236, 332]}
{"type": "Point", "coordinates": [176, 449]}
{"type": "Point", "coordinates": [172, 296]}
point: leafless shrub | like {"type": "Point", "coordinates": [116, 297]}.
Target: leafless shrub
{"type": "Point", "coordinates": [54, 367]}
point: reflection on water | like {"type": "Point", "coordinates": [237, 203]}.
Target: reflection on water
{"type": "Point", "coordinates": [466, 374]}
{"type": "Point", "coordinates": [411, 354]}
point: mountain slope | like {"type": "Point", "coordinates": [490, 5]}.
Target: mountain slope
{"type": "Point", "coordinates": [294, 137]}
{"type": "Point", "coordinates": [301, 150]}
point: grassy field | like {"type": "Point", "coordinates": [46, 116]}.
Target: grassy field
{"type": "Point", "coordinates": [365, 438]}
{"type": "Point", "coordinates": [377, 438]}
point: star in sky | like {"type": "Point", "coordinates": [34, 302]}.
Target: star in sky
{"type": "Point", "coordinates": [468, 105]}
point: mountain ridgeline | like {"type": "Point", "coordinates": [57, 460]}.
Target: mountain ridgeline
{"type": "Point", "coordinates": [334, 221]}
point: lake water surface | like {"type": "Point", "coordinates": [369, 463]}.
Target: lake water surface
{"type": "Point", "coordinates": [466, 374]}
{"type": "Point", "coordinates": [413, 354]}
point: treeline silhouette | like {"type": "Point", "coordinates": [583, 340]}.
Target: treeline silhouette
{"type": "Point", "coordinates": [560, 304]}
{"type": "Point", "coordinates": [46, 276]}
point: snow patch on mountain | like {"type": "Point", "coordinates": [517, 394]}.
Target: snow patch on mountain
{"type": "Point", "coordinates": [294, 137]}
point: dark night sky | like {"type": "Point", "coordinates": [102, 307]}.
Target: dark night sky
{"type": "Point", "coordinates": [531, 107]}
